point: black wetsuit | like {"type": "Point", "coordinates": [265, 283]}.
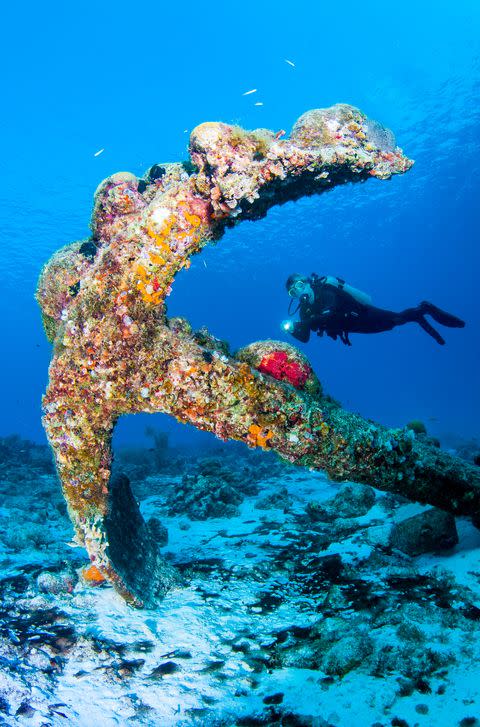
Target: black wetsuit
{"type": "Point", "coordinates": [337, 313]}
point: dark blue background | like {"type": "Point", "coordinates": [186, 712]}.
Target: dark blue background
{"type": "Point", "coordinates": [132, 77]}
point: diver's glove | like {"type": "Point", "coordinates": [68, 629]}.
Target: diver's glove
{"type": "Point", "coordinates": [287, 326]}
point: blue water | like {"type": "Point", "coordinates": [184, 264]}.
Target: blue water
{"type": "Point", "coordinates": [135, 78]}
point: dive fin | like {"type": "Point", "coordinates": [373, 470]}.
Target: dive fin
{"type": "Point", "coordinates": [430, 330]}
{"type": "Point", "coordinates": [441, 316]}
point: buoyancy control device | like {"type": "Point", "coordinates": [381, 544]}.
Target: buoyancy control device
{"type": "Point", "coordinates": [339, 283]}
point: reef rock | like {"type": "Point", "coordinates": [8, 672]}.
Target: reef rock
{"type": "Point", "coordinates": [429, 530]}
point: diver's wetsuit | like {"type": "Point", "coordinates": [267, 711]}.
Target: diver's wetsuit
{"type": "Point", "coordinates": [337, 313]}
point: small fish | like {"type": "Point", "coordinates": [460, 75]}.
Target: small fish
{"type": "Point", "coordinates": [247, 93]}
{"type": "Point", "coordinates": [74, 543]}
{"type": "Point", "coordinates": [185, 131]}
{"type": "Point", "coordinates": [97, 153]}
{"type": "Point", "coordinates": [290, 63]}
{"type": "Point", "coordinates": [205, 263]}
{"type": "Point", "coordinates": [259, 103]}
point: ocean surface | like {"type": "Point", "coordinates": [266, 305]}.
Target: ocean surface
{"type": "Point", "coordinates": [92, 89]}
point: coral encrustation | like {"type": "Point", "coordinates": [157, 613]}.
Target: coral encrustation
{"type": "Point", "coordinates": [115, 352]}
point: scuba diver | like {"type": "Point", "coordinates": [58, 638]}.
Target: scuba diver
{"type": "Point", "coordinates": [329, 305]}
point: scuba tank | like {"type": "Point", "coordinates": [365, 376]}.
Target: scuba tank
{"type": "Point", "coordinates": [359, 296]}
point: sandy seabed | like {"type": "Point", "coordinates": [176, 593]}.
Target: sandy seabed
{"type": "Point", "coordinates": [294, 610]}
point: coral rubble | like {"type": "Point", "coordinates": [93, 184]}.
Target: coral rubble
{"type": "Point", "coordinates": [115, 351]}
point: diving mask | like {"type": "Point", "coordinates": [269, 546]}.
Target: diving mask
{"type": "Point", "coordinates": [297, 289]}
{"type": "Point", "coordinates": [300, 288]}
